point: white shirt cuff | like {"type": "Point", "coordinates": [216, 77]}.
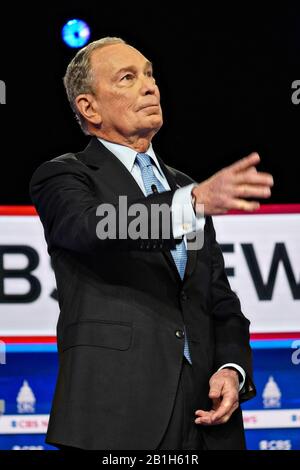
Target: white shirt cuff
{"type": "Point", "coordinates": [239, 369]}
{"type": "Point", "coordinates": [184, 219]}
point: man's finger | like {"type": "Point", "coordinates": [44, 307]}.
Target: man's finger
{"type": "Point", "coordinates": [204, 417]}
{"type": "Point", "coordinates": [215, 387]}
{"type": "Point", "coordinates": [226, 417]}
{"type": "Point", "coordinates": [246, 162]}
{"type": "Point", "coordinates": [227, 407]}
{"type": "Point", "coordinates": [242, 204]}
{"type": "Point", "coordinates": [208, 418]}
{"type": "Point", "coordinates": [224, 408]}
{"type": "Point", "coordinates": [215, 392]}
{"type": "Point", "coordinates": [254, 177]}
{"type": "Point", "coordinates": [247, 190]}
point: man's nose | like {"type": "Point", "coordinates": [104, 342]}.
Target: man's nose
{"type": "Point", "coordinates": [148, 86]}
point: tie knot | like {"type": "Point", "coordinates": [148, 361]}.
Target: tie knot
{"type": "Point", "coordinates": [143, 159]}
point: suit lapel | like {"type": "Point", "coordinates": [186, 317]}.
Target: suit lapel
{"type": "Point", "coordinates": [114, 174]}
{"type": "Point", "coordinates": [110, 170]}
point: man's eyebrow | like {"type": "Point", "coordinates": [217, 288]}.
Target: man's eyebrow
{"type": "Point", "coordinates": [148, 64]}
{"type": "Point", "coordinates": [132, 68]}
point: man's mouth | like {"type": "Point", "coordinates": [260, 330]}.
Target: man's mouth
{"type": "Point", "coordinates": [153, 105]}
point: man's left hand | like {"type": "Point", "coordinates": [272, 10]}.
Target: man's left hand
{"type": "Point", "coordinates": [224, 393]}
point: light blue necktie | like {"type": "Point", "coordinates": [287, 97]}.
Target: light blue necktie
{"type": "Point", "coordinates": [179, 253]}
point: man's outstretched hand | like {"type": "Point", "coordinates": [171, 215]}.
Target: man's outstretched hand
{"type": "Point", "coordinates": [228, 188]}
{"type": "Point", "coordinates": [224, 393]}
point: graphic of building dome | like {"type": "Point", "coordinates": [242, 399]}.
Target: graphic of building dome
{"type": "Point", "coordinates": [26, 399]}
{"type": "Point", "coordinates": [271, 394]}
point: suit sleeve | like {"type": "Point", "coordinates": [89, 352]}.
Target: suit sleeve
{"type": "Point", "coordinates": [231, 327]}
{"type": "Point", "coordinates": [64, 197]}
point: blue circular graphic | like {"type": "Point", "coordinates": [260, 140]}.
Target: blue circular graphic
{"type": "Point", "coordinates": [76, 33]}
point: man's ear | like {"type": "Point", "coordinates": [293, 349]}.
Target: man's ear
{"type": "Point", "coordinates": [87, 106]}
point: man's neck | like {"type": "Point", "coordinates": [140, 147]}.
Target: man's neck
{"type": "Point", "coordinates": [139, 144]}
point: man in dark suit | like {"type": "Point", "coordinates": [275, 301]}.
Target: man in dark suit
{"type": "Point", "coordinates": [153, 347]}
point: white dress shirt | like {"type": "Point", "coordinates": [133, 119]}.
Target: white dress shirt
{"type": "Point", "coordinates": [184, 219]}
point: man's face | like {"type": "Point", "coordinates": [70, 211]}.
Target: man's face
{"type": "Point", "coordinates": [127, 98]}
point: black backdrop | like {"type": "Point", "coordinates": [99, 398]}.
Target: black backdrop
{"type": "Point", "coordinates": [225, 75]}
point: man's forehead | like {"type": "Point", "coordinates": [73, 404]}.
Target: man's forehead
{"type": "Point", "coordinates": [116, 56]}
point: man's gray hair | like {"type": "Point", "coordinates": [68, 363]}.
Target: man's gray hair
{"type": "Point", "coordinates": [78, 77]}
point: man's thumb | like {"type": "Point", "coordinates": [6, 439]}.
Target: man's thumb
{"type": "Point", "coordinates": [214, 392]}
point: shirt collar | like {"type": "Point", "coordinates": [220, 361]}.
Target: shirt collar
{"type": "Point", "coordinates": [127, 155]}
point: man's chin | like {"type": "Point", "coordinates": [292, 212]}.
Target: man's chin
{"type": "Point", "coordinates": [156, 121]}
{"type": "Point", "coordinates": [151, 125]}
{"type": "Point", "coordinates": [154, 128]}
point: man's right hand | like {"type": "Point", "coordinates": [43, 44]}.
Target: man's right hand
{"type": "Point", "coordinates": [228, 188]}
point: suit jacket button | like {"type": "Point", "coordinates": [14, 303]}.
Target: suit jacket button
{"type": "Point", "coordinates": [179, 333]}
{"type": "Point", "coordinates": [183, 295]}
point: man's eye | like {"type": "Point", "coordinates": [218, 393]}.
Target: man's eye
{"type": "Point", "coordinates": [128, 76]}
